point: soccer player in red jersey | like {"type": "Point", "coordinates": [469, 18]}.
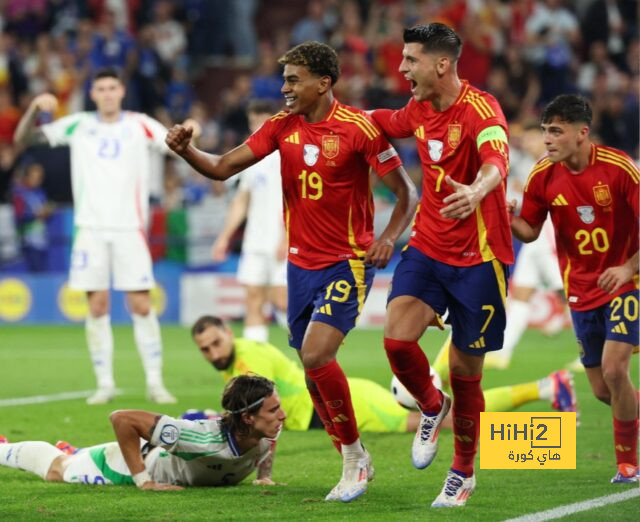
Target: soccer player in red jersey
{"type": "Point", "coordinates": [459, 248]}
{"type": "Point", "coordinates": [327, 150]}
{"type": "Point", "coordinates": [591, 192]}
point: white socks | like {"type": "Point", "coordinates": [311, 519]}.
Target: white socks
{"type": "Point", "coordinates": [33, 456]}
{"type": "Point", "coordinates": [256, 332]}
{"type": "Point", "coordinates": [545, 388]}
{"type": "Point", "coordinates": [352, 451]}
{"type": "Point", "coordinates": [100, 342]}
{"type": "Point", "coordinates": [146, 331]}
{"type": "Point", "coordinates": [517, 322]}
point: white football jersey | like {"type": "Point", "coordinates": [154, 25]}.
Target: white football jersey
{"type": "Point", "coordinates": [200, 453]}
{"type": "Point", "coordinates": [264, 230]}
{"type": "Point", "coordinates": [110, 166]}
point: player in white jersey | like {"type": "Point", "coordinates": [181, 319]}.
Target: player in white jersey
{"type": "Point", "coordinates": [263, 263]}
{"type": "Point", "coordinates": [157, 452]}
{"type": "Point", "coordinates": [110, 166]}
{"type": "Point", "coordinates": [536, 266]}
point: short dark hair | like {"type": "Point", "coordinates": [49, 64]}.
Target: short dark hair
{"type": "Point", "coordinates": [205, 322]}
{"type": "Point", "coordinates": [568, 108]}
{"type": "Point", "coordinates": [435, 37]}
{"type": "Point", "coordinates": [261, 106]}
{"type": "Point", "coordinates": [318, 57]}
{"type": "Point", "coordinates": [244, 394]}
{"type": "Point", "coordinates": [107, 72]}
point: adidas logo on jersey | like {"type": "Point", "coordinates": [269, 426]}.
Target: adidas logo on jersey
{"type": "Point", "coordinates": [559, 201]}
{"type": "Point", "coordinates": [478, 344]}
{"type": "Point", "coordinates": [294, 138]}
{"type": "Point", "coordinates": [620, 328]}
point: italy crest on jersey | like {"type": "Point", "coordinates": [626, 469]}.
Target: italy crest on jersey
{"type": "Point", "coordinates": [330, 146]}
{"type": "Point", "coordinates": [602, 195]}
{"type": "Point", "coordinates": [310, 154]}
{"type": "Point", "coordinates": [586, 214]}
{"type": "Point", "coordinates": [435, 149]}
{"type": "Point", "coordinates": [454, 135]}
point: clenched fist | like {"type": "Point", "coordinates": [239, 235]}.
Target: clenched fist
{"type": "Point", "coordinates": [178, 138]}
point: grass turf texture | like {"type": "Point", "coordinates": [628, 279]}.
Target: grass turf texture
{"type": "Point", "coordinates": [51, 359]}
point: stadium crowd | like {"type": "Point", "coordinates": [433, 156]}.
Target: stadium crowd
{"type": "Point", "coordinates": [170, 52]}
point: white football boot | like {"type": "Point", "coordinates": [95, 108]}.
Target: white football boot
{"type": "Point", "coordinates": [456, 490]}
{"type": "Point", "coordinates": [356, 474]}
{"type": "Point", "coordinates": [425, 443]}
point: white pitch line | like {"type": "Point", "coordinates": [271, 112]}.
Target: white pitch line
{"type": "Point", "coordinates": [39, 399]}
{"type": "Point", "coordinates": [570, 509]}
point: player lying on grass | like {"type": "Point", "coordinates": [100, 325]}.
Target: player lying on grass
{"type": "Point", "coordinates": [376, 408]}
{"type": "Point", "coordinates": [157, 452]}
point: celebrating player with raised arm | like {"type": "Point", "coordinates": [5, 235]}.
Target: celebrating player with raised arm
{"type": "Point", "coordinates": [218, 452]}
{"type": "Point", "coordinates": [591, 193]}
{"type": "Point", "coordinates": [327, 150]}
{"type": "Point", "coordinates": [459, 247]}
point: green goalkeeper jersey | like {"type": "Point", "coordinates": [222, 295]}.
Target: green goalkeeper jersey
{"type": "Point", "coordinates": [266, 360]}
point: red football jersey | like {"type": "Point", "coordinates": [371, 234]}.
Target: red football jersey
{"type": "Point", "coordinates": [448, 145]}
{"type": "Point", "coordinates": [595, 217]}
{"type": "Point", "coordinates": [328, 204]}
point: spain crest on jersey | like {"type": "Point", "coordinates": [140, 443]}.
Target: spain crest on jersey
{"type": "Point", "coordinates": [586, 213]}
{"type": "Point", "coordinates": [454, 135]}
{"type": "Point", "coordinates": [602, 195]}
{"type": "Point", "coordinates": [310, 154]}
{"type": "Point", "coordinates": [330, 146]}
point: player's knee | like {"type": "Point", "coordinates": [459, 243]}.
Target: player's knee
{"type": "Point", "coordinates": [56, 470]}
{"type": "Point", "coordinates": [614, 375]}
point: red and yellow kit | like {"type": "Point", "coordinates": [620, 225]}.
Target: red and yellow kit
{"type": "Point", "coordinates": [456, 142]}
{"type": "Point", "coordinates": [328, 205]}
{"type": "Point", "coordinates": [595, 217]}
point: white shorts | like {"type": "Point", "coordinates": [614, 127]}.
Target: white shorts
{"type": "Point", "coordinates": [98, 465]}
{"type": "Point", "coordinates": [537, 264]}
{"type": "Point", "coordinates": [261, 270]}
{"type": "Point", "coordinates": [99, 255]}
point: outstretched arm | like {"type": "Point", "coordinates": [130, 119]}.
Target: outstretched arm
{"type": "Point", "coordinates": [212, 166]}
{"type": "Point", "coordinates": [615, 276]}
{"type": "Point", "coordinates": [263, 477]}
{"type": "Point", "coordinates": [407, 199]}
{"type": "Point", "coordinates": [237, 214]}
{"type": "Point", "coordinates": [26, 134]}
{"type": "Point", "coordinates": [130, 426]}
{"type": "Point", "coordinates": [466, 198]}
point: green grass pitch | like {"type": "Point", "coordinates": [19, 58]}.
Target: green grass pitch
{"type": "Point", "coordinates": [52, 359]}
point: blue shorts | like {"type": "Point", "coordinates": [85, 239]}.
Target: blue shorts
{"type": "Point", "coordinates": [616, 320]}
{"type": "Point", "coordinates": [333, 295]}
{"type": "Point", "coordinates": [474, 296]}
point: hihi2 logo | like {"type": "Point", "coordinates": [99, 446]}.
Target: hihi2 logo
{"type": "Point", "coordinates": [526, 440]}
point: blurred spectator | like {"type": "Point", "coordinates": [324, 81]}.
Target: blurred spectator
{"type": "Point", "coordinates": [169, 37]}
{"type": "Point", "coordinates": [552, 32]}
{"type": "Point", "coordinates": [210, 137]}
{"type": "Point", "coordinates": [311, 27]}
{"type": "Point", "coordinates": [179, 96]}
{"type": "Point", "coordinates": [9, 116]}
{"type": "Point", "coordinates": [173, 197]}
{"type": "Point", "coordinates": [613, 23]}
{"type": "Point", "coordinates": [7, 167]}
{"type": "Point", "coordinates": [31, 212]}
{"type": "Point", "coordinates": [618, 127]}
{"type": "Point", "coordinates": [242, 31]}
{"type": "Point", "coordinates": [26, 18]}
{"type": "Point", "coordinates": [599, 62]}
{"type": "Point", "coordinates": [266, 80]}
{"type": "Point", "coordinates": [152, 73]}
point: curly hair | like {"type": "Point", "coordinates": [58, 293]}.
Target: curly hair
{"type": "Point", "coordinates": [244, 394]}
{"type": "Point", "coordinates": [319, 58]}
{"type": "Point", "coordinates": [568, 108]}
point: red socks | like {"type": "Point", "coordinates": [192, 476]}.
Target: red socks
{"type": "Point", "coordinates": [322, 412]}
{"type": "Point", "coordinates": [468, 402]}
{"type": "Point", "coordinates": [625, 437]}
{"type": "Point", "coordinates": [333, 387]}
{"type": "Point", "coordinates": [409, 363]}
